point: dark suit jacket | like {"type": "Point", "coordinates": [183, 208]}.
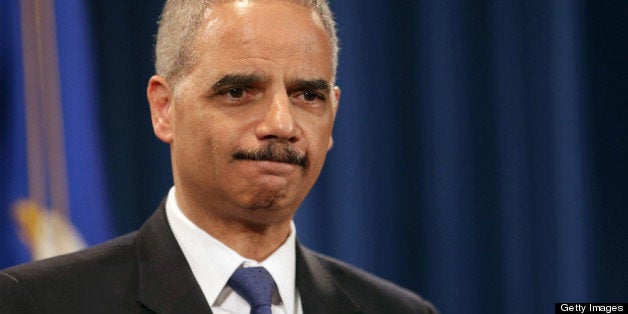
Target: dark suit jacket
{"type": "Point", "coordinates": [146, 272]}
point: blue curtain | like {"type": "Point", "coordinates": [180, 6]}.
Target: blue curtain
{"type": "Point", "coordinates": [480, 152]}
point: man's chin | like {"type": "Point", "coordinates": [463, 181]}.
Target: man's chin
{"type": "Point", "coordinates": [267, 200]}
{"type": "Point", "coordinates": [267, 210]}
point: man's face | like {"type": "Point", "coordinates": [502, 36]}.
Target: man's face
{"type": "Point", "coordinates": [260, 88]}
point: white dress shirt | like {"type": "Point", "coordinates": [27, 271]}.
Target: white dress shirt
{"type": "Point", "coordinates": [212, 263]}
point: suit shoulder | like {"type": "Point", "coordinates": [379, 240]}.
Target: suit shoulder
{"type": "Point", "coordinates": [106, 252]}
{"type": "Point", "coordinates": [91, 268]}
{"type": "Point", "coordinates": [15, 299]}
{"type": "Point", "coordinates": [372, 292]}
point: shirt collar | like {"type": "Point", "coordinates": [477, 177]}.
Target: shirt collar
{"type": "Point", "coordinates": [212, 273]}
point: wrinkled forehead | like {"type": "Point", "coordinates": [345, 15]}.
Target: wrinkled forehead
{"type": "Point", "coordinates": [275, 30]}
{"type": "Point", "coordinates": [214, 13]}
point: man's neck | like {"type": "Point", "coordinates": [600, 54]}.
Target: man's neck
{"type": "Point", "coordinates": [252, 240]}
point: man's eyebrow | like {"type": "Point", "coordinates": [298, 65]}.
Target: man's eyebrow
{"type": "Point", "coordinates": [318, 84]}
{"type": "Point", "coordinates": [237, 80]}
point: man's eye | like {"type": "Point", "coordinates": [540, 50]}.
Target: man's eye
{"type": "Point", "coordinates": [311, 96]}
{"type": "Point", "coordinates": [236, 92]}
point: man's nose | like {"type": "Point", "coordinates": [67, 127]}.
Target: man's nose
{"type": "Point", "coordinates": [279, 121]}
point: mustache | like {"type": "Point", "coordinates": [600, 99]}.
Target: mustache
{"type": "Point", "coordinates": [275, 152]}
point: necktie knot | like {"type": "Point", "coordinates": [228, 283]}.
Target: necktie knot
{"type": "Point", "coordinates": [256, 286]}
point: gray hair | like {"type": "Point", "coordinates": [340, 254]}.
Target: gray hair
{"type": "Point", "coordinates": [179, 24]}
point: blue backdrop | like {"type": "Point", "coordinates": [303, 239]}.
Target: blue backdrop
{"type": "Point", "coordinates": [83, 183]}
{"type": "Point", "coordinates": [480, 156]}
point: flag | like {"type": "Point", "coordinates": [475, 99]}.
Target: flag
{"type": "Point", "coordinates": [52, 182]}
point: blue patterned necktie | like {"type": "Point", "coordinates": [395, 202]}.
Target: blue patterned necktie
{"type": "Point", "coordinates": [256, 286]}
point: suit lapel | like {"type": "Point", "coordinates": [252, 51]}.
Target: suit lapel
{"type": "Point", "coordinates": [166, 282]}
{"type": "Point", "coordinates": [319, 292]}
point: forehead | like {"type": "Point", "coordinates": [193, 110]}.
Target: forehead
{"type": "Point", "coordinates": [264, 33]}
{"type": "Point", "coordinates": [263, 11]}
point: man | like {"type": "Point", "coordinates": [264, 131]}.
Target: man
{"type": "Point", "coordinates": [245, 97]}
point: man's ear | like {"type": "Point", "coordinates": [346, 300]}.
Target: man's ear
{"type": "Point", "coordinates": [335, 105]}
{"type": "Point", "coordinates": [160, 99]}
